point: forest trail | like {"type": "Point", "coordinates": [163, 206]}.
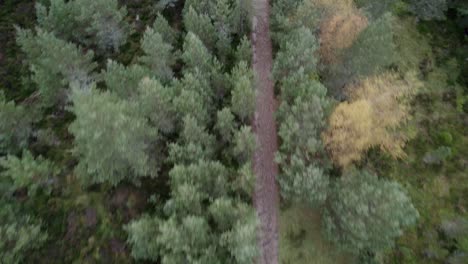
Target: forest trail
{"type": "Point", "coordinates": [266, 196]}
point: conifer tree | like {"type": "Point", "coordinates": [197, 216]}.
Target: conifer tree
{"type": "Point", "coordinates": [117, 146]}
{"type": "Point", "coordinates": [20, 234]}
{"type": "Point", "coordinates": [244, 51]}
{"type": "Point", "coordinates": [243, 99]}
{"type": "Point", "coordinates": [225, 124]}
{"type": "Point", "coordinates": [59, 18]}
{"type": "Point", "coordinates": [105, 22]}
{"type": "Point", "coordinates": [155, 102]}
{"type": "Point", "coordinates": [195, 144]}
{"type": "Point", "coordinates": [240, 16]}
{"type": "Point", "coordinates": [367, 213]}
{"type": "Point", "coordinates": [205, 7]}
{"type": "Point", "coordinates": [55, 64]}
{"type": "Point", "coordinates": [158, 55]}
{"type": "Point", "coordinates": [28, 172]}
{"type": "Point", "coordinates": [123, 81]}
{"type": "Point", "coordinates": [301, 154]}
{"type": "Point", "coordinates": [203, 224]}
{"type": "Point", "coordinates": [161, 25]}
{"type": "Point", "coordinates": [296, 53]}
{"type": "Point", "coordinates": [196, 55]}
{"type": "Point", "coordinates": [223, 29]}
{"type": "Point", "coordinates": [200, 25]}
{"type": "Point", "coordinates": [99, 23]}
{"type": "Point", "coordinates": [245, 144]}
{"type": "Point", "coordinates": [15, 126]}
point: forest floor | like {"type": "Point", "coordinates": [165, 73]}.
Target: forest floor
{"type": "Point", "coordinates": [302, 241]}
{"type": "Point", "coordinates": [266, 197]}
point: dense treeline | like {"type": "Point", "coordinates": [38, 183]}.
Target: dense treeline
{"type": "Point", "coordinates": [125, 130]}
{"type": "Point", "coordinates": [180, 110]}
{"type": "Point", "coordinates": [352, 79]}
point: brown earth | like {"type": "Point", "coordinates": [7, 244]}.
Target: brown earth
{"type": "Point", "coordinates": [266, 196]}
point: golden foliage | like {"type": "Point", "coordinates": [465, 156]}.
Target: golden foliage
{"type": "Point", "coordinates": [350, 131]}
{"type": "Point", "coordinates": [338, 32]}
{"type": "Point", "coordinates": [378, 107]}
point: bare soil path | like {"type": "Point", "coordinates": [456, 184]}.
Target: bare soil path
{"type": "Point", "coordinates": [266, 196]}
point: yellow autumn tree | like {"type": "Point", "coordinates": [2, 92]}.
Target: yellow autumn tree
{"type": "Point", "coordinates": [377, 108]}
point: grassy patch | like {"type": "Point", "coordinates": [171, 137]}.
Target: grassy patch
{"type": "Point", "coordinates": [301, 240]}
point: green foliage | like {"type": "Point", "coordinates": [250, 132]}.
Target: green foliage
{"type": "Point", "coordinates": [203, 224]}
{"type": "Point", "coordinates": [241, 241]}
{"type": "Point", "coordinates": [194, 97]}
{"type": "Point", "coordinates": [429, 9]}
{"type": "Point", "coordinates": [141, 235]}
{"type": "Point", "coordinates": [196, 55]}
{"type": "Point", "coordinates": [240, 17]}
{"type": "Point", "coordinates": [117, 146]}
{"type": "Point", "coordinates": [15, 126]}
{"type": "Point", "coordinates": [206, 7]}
{"type": "Point", "coordinates": [223, 29]}
{"type": "Point", "coordinates": [158, 55]}
{"type": "Point", "coordinates": [296, 53]}
{"type": "Point", "coordinates": [301, 154]}
{"type": "Point", "coordinates": [161, 26]}
{"type": "Point", "coordinates": [195, 143]}
{"type": "Point", "coordinates": [304, 183]}
{"type": "Point", "coordinates": [209, 178]}
{"type": "Point", "coordinates": [200, 25]}
{"type": "Point", "coordinates": [20, 234]}
{"type": "Point", "coordinates": [59, 18]}
{"type": "Point", "coordinates": [28, 172]}
{"type": "Point", "coordinates": [438, 156]}
{"type": "Point", "coordinates": [123, 81]}
{"type": "Point", "coordinates": [55, 64]}
{"type": "Point", "coordinates": [245, 144]}
{"type": "Point", "coordinates": [98, 23]}
{"type": "Point", "coordinates": [243, 98]}
{"type": "Point", "coordinates": [372, 52]}
{"type": "Point", "coordinates": [244, 51]}
{"type": "Point", "coordinates": [225, 124]}
{"type": "Point", "coordinates": [367, 213]}
{"type": "Point", "coordinates": [105, 22]}
{"type": "Point", "coordinates": [301, 239]}
{"type": "Point", "coordinates": [155, 102]}
{"type": "Point", "coordinates": [187, 240]}
{"type": "Point", "coordinates": [376, 8]}
{"type": "Point", "coordinates": [193, 104]}
{"type": "Point", "coordinates": [412, 47]}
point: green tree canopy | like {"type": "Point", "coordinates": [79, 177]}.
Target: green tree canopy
{"type": "Point", "coordinates": [367, 213]}
{"type": "Point", "coordinates": [20, 234]}
{"type": "Point", "coordinates": [28, 172]}
{"type": "Point", "coordinates": [158, 55]}
{"type": "Point", "coordinates": [296, 53]}
{"type": "Point", "coordinates": [117, 146]}
{"type": "Point", "coordinates": [15, 126]}
{"type": "Point", "coordinates": [99, 23]}
{"type": "Point", "coordinates": [55, 64]}
{"type": "Point", "coordinates": [123, 81]}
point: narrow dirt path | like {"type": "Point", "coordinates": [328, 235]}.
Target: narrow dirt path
{"type": "Point", "coordinates": [266, 196]}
